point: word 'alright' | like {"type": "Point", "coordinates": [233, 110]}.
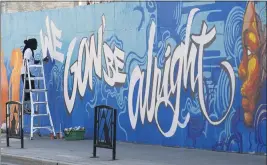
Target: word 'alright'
{"type": "Point", "coordinates": [184, 56]}
{"type": "Point", "coordinates": [114, 64]}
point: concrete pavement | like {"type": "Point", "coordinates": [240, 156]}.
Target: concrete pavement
{"type": "Point", "coordinates": [51, 152]}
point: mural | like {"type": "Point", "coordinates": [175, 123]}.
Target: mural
{"type": "Point", "coordinates": [252, 69]}
{"type": "Point", "coordinates": [188, 74]}
{"type": "Point", "coordinates": [14, 86]}
{"type": "Point", "coordinates": [4, 89]}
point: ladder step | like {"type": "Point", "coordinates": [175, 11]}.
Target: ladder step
{"type": "Point", "coordinates": [26, 102]}
{"type": "Point", "coordinates": [40, 102]}
{"type": "Point", "coordinates": [45, 127]}
{"type": "Point", "coordinates": [37, 66]}
{"type": "Point", "coordinates": [35, 78]}
{"type": "Point", "coordinates": [36, 90]}
{"type": "Point", "coordinates": [35, 102]}
{"type": "Point", "coordinates": [37, 115]}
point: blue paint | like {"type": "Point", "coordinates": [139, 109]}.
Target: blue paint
{"type": "Point", "coordinates": [127, 28]}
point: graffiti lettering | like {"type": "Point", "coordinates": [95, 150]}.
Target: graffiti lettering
{"type": "Point", "coordinates": [51, 42]}
{"type": "Point", "coordinates": [185, 56]}
{"type": "Point", "coordinates": [114, 64]}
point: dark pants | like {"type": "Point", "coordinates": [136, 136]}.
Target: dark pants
{"type": "Point", "coordinates": [27, 95]}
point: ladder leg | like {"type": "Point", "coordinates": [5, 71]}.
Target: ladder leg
{"type": "Point", "coordinates": [37, 108]}
{"type": "Point", "coordinates": [32, 111]}
{"type": "Point", "coordinates": [52, 125]}
{"type": "Point", "coordinates": [47, 107]}
{"type": "Point", "coordinates": [23, 95]}
{"type": "Point", "coordinates": [31, 101]}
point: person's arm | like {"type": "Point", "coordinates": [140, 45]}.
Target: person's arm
{"type": "Point", "coordinates": [46, 59]}
{"type": "Point", "coordinates": [38, 61]}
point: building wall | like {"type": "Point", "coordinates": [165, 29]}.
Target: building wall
{"type": "Point", "coordinates": [11, 7]}
{"type": "Point", "coordinates": [188, 74]}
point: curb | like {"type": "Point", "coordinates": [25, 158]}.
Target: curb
{"type": "Point", "coordinates": [21, 160]}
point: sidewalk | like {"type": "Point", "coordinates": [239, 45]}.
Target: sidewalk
{"type": "Point", "coordinates": [43, 150]}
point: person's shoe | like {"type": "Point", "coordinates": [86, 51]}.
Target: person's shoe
{"type": "Point", "coordinates": [26, 109]}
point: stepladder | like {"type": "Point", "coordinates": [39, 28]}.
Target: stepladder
{"type": "Point", "coordinates": [35, 98]}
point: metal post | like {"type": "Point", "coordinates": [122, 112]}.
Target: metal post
{"type": "Point", "coordinates": [7, 124]}
{"type": "Point", "coordinates": [95, 125]}
{"type": "Point", "coordinates": [7, 130]}
{"type": "Point", "coordinates": [21, 128]}
{"type": "Point", "coordinates": [114, 134]}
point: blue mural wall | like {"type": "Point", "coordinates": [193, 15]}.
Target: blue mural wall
{"type": "Point", "coordinates": [188, 74]}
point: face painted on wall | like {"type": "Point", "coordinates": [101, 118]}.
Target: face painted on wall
{"type": "Point", "coordinates": [249, 69]}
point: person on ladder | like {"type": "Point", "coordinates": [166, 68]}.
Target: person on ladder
{"type": "Point", "coordinates": [28, 54]}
